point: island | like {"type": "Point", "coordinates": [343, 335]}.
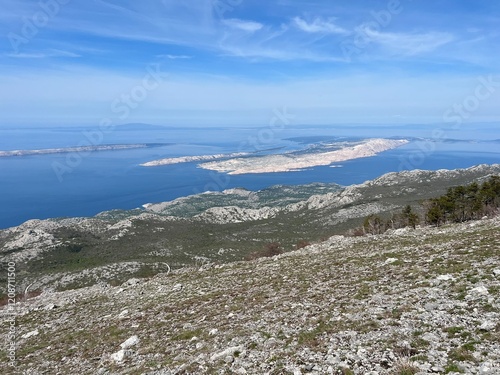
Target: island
{"type": "Point", "coordinates": [295, 162]}
{"type": "Point", "coordinates": [90, 148]}
{"type": "Point", "coordinates": [188, 159]}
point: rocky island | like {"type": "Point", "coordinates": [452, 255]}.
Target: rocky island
{"type": "Point", "coordinates": [294, 162]}
{"type": "Point", "coordinates": [80, 149]}
{"type": "Point", "coordinates": [246, 162]}
{"type": "Point", "coordinates": [188, 159]}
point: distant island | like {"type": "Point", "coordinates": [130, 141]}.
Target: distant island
{"type": "Point", "coordinates": [79, 149]}
{"type": "Point", "coordinates": [245, 162]}
{"type": "Point", "coordinates": [295, 162]}
{"type": "Point", "coordinates": [139, 126]}
{"type": "Point", "coordinates": [187, 159]}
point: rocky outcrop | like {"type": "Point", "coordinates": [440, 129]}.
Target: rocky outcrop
{"type": "Point", "coordinates": [225, 215]}
{"type": "Point", "coordinates": [393, 184]}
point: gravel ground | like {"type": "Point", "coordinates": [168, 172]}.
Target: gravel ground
{"type": "Point", "coordinates": [407, 302]}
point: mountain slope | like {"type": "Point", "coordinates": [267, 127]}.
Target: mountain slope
{"type": "Point", "coordinates": [410, 300]}
{"type": "Point", "coordinates": [216, 227]}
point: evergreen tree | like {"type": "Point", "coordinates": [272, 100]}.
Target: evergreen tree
{"type": "Point", "coordinates": [464, 203]}
{"type": "Point", "coordinates": [410, 218]}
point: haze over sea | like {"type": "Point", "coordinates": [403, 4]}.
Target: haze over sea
{"type": "Point", "coordinates": [34, 186]}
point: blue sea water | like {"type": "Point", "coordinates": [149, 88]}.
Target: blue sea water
{"type": "Point", "coordinates": [30, 187]}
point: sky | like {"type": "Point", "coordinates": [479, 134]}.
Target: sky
{"type": "Point", "coordinates": [235, 62]}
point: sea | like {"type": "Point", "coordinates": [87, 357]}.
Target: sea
{"type": "Point", "coordinates": [75, 184]}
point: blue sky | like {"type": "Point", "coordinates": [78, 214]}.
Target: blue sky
{"type": "Point", "coordinates": [74, 62]}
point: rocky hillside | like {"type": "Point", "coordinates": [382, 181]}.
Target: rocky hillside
{"type": "Point", "coordinates": [208, 228]}
{"type": "Point", "coordinates": [409, 301]}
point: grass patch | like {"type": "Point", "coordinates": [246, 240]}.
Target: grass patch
{"type": "Point", "coordinates": [453, 367]}
{"type": "Point", "coordinates": [187, 335]}
{"type": "Point", "coordinates": [404, 367]}
{"type": "Point", "coordinates": [461, 354]}
{"type": "Point", "coordinates": [363, 292]}
{"type": "Point", "coordinates": [452, 331]}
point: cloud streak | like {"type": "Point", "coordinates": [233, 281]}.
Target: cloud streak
{"type": "Point", "coordinates": [319, 26]}
{"type": "Point", "coordinates": [248, 26]}
{"type": "Point", "coordinates": [43, 55]}
{"type": "Point", "coordinates": [408, 43]}
{"type": "Point", "coordinates": [175, 57]}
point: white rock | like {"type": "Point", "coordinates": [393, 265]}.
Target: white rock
{"type": "Point", "coordinates": [496, 272]}
{"type": "Point", "coordinates": [330, 359]}
{"type": "Point", "coordinates": [431, 337]}
{"type": "Point", "coordinates": [123, 314]}
{"type": "Point", "coordinates": [445, 278]}
{"type": "Point", "coordinates": [479, 290]}
{"type": "Point", "coordinates": [486, 368]}
{"type": "Point", "coordinates": [226, 353]}
{"type": "Point", "coordinates": [131, 341]}
{"type": "Point", "coordinates": [270, 343]}
{"type": "Point", "coordinates": [390, 261]}
{"type": "Point", "coordinates": [119, 355]}
{"type": "Point", "coordinates": [487, 326]}
{"type": "Point", "coordinates": [177, 287]}
{"type": "Point", "coordinates": [213, 331]}
{"type": "Point", "coordinates": [29, 334]}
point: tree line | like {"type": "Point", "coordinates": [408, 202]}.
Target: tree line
{"type": "Point", "coordinates": [459, 204]}
{"type": "Point", "coordinates": [464, 203]}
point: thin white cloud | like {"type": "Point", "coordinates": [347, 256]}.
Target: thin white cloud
{"type": "Point", "coordinates": [43, 55]}
{"type": "Point", "coordinates": [473, 30]}
{"type": "Point", "coordinates": [319, 26]}
{"type": "Point", "coordinates": [248, 26]}
{"type": "Point", "coordinates": [257, 53]}
{"type": "Point", "coordinates": [175, 57]}
{"type": "Point", "coordinates": [410, 44]}
{"type": "Point", "coordinates": [280, 43]}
